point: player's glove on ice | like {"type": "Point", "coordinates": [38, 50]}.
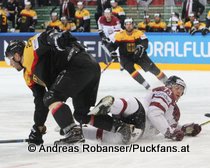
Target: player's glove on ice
{"type": "Point", "coordinates": [36, 134]}
{"type": "Point", "coordinates": [191, 129]}
{"type": "Point", "coordinates": [177, 135]}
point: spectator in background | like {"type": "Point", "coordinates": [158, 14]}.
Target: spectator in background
{"type": "Point", "coordinates": [121, 2]}
{"type": "Point", "coordinates": [144, 3]}
{"type": "Point", "coordinates": [20, 7]}
{"type": "Point", "coordinates": [190, 6]}
{"type": "Point", "coordinates": [157, 25]}
{"type": "Point", "coordinates": [145, 25]}
{"type": "Point", "coordinates": [82, 17]}
{"type": "Point", "coordinates": [55, 23]}
{"type": "Point", "coordinates": [208, 20]}
{"type": "Point", "coordinates": [67, 25]}
{"type": "Point", "coordinates": [3, 19]}
{"type": "Point", "coordinates": [12, 8]}
{"type": "Point", "coordinates": [118, 11]}
{"type": "Point", "coordinates": [189, 24]}
{"type": "Point", "coordinates": [42, 3]}
{"type": "Point", "coordinates": [175, 24]}
{"type": "Point", "coordinates": [199, 27]}
{"type": "Point", "coordinates": [101, 6]}
{"type": "Point", "coordinates": [28, 19]}
{"type": "Point", "coordinates": [67, 9]}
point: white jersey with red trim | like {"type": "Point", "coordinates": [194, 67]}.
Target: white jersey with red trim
{"type": "Point", "coordinates": [109, 28]}
{"type": "Point", "coordinates": [162, 113]}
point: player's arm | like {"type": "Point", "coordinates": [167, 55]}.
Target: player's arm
{"type": "Point", "coordinates": [40, 115]}
{"type": "Point", "coordinates": [59, 40]}
{"type": "Point", "coordinates": [158, 106]}
{"type": "Point", "coordinates": [141, 46]}
{"type": "Point", "coordinates": [86, 19]}
{"type": "Point", "coordinates": [41, 110]}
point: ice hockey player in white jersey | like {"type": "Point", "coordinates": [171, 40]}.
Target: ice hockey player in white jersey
{"type": "Point", "coordinates": [108, 25]}
{"type": "Point", "coordinates": [156, 113]}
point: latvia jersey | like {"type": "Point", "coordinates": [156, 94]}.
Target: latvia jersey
{"type": "Point", "coordinates": [161, 111]}
{"type": "Point", "coordinates": [162, 115]}
{"type": "Point", "coordinates": [109, 28]}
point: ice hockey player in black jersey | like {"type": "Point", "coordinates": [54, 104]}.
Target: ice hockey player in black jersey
{"type": "Point", "coordinates": [56, 67]}
{"type": "Point", "coordinates": [132, 44]}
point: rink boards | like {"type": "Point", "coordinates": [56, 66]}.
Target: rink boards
{"type": "Point", "coordinates": [170, 51]}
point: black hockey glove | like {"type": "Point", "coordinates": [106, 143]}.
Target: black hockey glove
{"type": "Point", "coordinates": [54, 39]}
{"type": "Point", "coordinates": [139, 51]}
{"type": "Point", "coordinates": [81, 29]}
{"type": "Point", "coordinates": [105, 40]}
{"type": "Point", "coordinates": [35, 136]}
{"type": "Point", "coordinates": [113, 55]}
{"type": "Point", "coordinates": [193, 31]}
{"type": "Point", "coordinates": [205, 31]}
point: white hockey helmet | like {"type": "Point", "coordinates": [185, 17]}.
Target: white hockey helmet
{"type": "Point", "coordinates": [175, 80]}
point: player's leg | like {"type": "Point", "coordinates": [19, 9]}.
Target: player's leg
{"type": "Point", "coordinates": [128, 110]}
{"type": "Point", "coordinates": [147, 65]}
{"type": "Point", "coordinates": [128, 65]}
{"type": "Point", "coordinates": [93, 133]}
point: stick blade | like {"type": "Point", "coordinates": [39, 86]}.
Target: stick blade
{"type": "Point", "coordinates": [207, 114]}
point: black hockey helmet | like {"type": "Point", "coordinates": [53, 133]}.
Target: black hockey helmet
{"type": "Point", "coordinates": [14, 46]}
{"type": "Point", "coordinates": [175, 80]}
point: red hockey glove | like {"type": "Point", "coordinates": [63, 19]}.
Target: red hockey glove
{"type": "Point", "coordinates": [191, 129]}
{"type": "Point", "coordinates": [177, 135]}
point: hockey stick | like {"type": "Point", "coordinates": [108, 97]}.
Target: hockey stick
{"type": "Point", "coordinates": [204, 123]}
{"type": "Point", "coordinates": [108, 65]}
{"type": "Point", "coordinates": [107, 54]}
{"type": "Point", "coordinates": [14, 141]}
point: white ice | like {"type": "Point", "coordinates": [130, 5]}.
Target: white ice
{"type": "Point", "coordinates": [16, 119]}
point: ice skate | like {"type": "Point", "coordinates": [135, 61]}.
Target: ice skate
{"type": "Point", "coordinates": [73, 136]}
{"type": "Point", "coordinates": [103, 107]}
{"type": "Point", "coordinates": [126, 131]}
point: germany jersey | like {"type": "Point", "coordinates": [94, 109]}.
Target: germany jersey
{"type": "Point", "coordinates": [118, 11]}
{"type": "Point", "coordinates": [127, 42]}
{"type": "Point", "coordinates": [208, 15]}
{"type": "Point", "coordinates": [68, 27]}
{"type": "Point", "coordinates": [56, 25]}
{"type": "Point", "coordinates": [158, 27]}
{"type": "Point", "coordinates": [3, 21]}
{"type": "Point", "coordinates": [188, 25]}
{"type": "Point", "coordinates": [42, 62]}
{"type": "Point", "coordinates": [83, 19]}
{"type": "Point", "coordinates": [144, 27]}
{"type": "Point", "coordinates": [27, 18]}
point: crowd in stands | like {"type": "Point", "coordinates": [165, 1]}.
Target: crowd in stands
{"type": "Point", "coordinates": [73, 16]}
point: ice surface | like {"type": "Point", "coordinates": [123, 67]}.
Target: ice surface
{"type": "Point", "coordinates": [16, 119]}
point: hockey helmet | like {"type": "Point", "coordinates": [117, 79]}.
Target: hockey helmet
{"type": "Point", "coordinates": [175, 80]}
{"type": "Point", "coordinates": [14, 46]}
{"type": "Point", "coordinates": [128, 20]}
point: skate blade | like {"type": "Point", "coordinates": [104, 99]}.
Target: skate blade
{"type": "Point", "coordinates": [106, 101]}
{"type": "Point", "coordinates": [70, 142]}
{"type": "Point", "coordinates": [136, 134]}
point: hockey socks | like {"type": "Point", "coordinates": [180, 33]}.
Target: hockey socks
{"type": "Point", "coordinates": [162, 77]}
{"type": "Point", "coordinates": [102, 121]}
{"type": "Point", "coordinates": [62, 115]}
{"type": "Point", "coordinates": [139, 78]}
